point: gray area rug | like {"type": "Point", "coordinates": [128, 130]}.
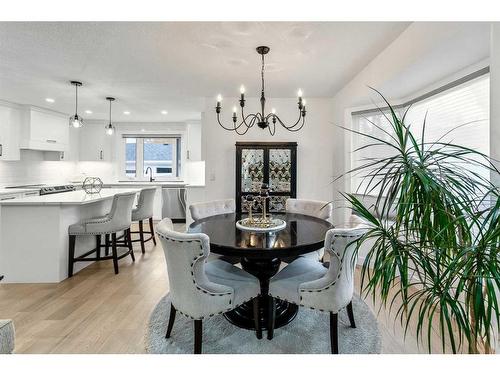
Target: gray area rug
{"type": "Point", "coordinates": [308, 333]}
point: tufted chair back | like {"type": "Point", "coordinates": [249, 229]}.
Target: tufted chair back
{"type": "Point", "coordinates": [192, 293]}
{"type": "Point", "coordinates": [334, 290]}
{"type": "Point", "coordinates": [212, 208]}
{"type": "Point", "coordinates": [145, 204]}
{"type": "Point", "coordinates": [320, 209]}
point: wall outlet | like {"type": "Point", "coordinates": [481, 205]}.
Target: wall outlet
{"type": "Point", "coordinates": [212, 176]}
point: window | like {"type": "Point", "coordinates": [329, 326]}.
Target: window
{"type": "Point", "coordinates": [158, 156]}
{"type": "Point", "coordinates": [465, 104]}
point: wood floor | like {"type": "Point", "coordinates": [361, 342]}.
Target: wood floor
{"type": "Point", "coordinates": [97, 311]}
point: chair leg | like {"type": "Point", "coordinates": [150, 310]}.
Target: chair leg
{"type": "Point", "coordinates": [141, 236]}
{"type": "Point", "coordinates": [98, 246]}
{"type": "Point", "coordinates": [350, 313]}
{"type": "Point", "coordinates": [256, 318]}
{"type": "Point", "coordinates": [271, 317]}
{"type": "Point", "coordinates": [171, 320]}
{"type": "Point", "coordinates": [152, 230]}
{"type": "Point", "coordinates": [71, 255]}
{"type": "Point", "coordinates": [198, 336]}
{"type": "Point", "coordinates": [115, 253]}
{"type": "Point", "coordinates": [129, 244]}
{"type": "Point", "coordinates": [334, 338]}
{"type": "Point", "coordinates": [106, 244]}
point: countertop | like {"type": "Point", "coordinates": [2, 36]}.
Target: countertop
{"type": "Point", "coordinates": [78, 197]}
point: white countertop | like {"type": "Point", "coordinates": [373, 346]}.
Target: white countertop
{"type": "Point", "coordinates": [78, 197]}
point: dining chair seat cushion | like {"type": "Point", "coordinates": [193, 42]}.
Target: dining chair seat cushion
{"type": "Point", "coordinates": [7, 336]}
{"type": "Point", "coordinates": [245, 285]}
{"type": "Point", "coordinates": [90, 225]}
{"type": "Point", "coordinates": [286, 284]}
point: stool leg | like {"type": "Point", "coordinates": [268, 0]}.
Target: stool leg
{"type": "Point", "coordinates": [152, 229]}
{"type": "Point", "coordinates": [141, 236]}
{"type": "Point", "coordinates": [115, 252]}
{"type": "Point", "coordinates": [71, 256]}
{"type": "Point", "coordinates": [129, 243]}
{"type": "Point", "coordinates": [106, 243]}
{"type": "Point", "coordinates": [98, 246]}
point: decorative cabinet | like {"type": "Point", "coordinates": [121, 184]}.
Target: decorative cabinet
{"type": "Point", "coordinates": [273, 163]}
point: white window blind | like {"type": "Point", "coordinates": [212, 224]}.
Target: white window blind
{"type": "Point", "coordinates": [466, 104]}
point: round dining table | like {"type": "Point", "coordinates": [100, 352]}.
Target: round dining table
{"type": "Point", "coordinates": [261, 254]}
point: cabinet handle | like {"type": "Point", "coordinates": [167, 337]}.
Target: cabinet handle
{"type": "Point", "coordinates": [51, 141]}
{"type": "Point", "coordinates": [100, 155]}
{"type": "Point", "coordinates": [1, 149]}
{"type": "Point", "coordinates": [33, 193]}
{"type": "Point", "coordinates": [7, 198]}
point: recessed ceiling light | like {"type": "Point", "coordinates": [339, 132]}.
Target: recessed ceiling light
{"type": "Point", "coordinates": [49, 100]}
{"type": "Point", "coordinates": [143, 130]}
{"type": "Point", "coordinates": [164, 112]}
{"type": "Point", "coordinates": [126, 113]}
{"type": "Point", "coordinates": [88, 112]}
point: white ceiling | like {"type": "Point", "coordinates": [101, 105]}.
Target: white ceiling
{"type": "Point", "coordinates": [150, 67]}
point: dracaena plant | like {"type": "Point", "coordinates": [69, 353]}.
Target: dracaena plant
{"type": "Point", "coordinates": [434, 235]}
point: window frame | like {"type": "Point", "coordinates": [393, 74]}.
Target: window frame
{"type": "Point", "coordinates": [178, 157]}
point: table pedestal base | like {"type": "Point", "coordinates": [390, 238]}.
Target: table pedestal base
{"type": "Point", "coordinates": [242, 316]}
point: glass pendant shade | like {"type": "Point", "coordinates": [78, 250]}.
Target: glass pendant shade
{"type": "Point", "coordinates": [75, 120]}
{"type": "Point", "coordinates": [110, 130]}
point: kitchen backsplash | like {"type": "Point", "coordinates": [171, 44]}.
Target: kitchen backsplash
{"type": "Point", "coordinates": [32, 168]}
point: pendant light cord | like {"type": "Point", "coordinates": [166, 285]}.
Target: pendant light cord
{"type": "Point", "coordinates": [110, 112]}
{"type": "Point", "coordinates": [76, 99]}
{"type": "Point", "coordinates": [262, 73]}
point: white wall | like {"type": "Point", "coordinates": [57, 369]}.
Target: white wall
{"type": "Point", "coordinates": [495, 97]}
{"type": "Point", "coordinates": [315, 153]}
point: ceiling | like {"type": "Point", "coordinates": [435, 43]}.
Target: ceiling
{"type": "Point", "coordinates": [172, 66]}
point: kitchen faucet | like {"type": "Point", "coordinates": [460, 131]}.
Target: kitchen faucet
{"type": "Point", "coordinates": [151, 179]}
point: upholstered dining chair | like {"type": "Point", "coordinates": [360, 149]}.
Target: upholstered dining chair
{"type": "Point", "coordinates": [319, 209]}
{"type": "Point", "coordinates": [201, 289]}
{"type": "Point", "coordinates": [306, 282]}
{"type": "Point", "coordinates": [212, 208]}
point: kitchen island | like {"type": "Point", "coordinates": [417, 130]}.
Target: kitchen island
{"type": "Point", "coordinates": [34, 233]}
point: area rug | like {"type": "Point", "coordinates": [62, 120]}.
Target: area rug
{"type": "Point", "coordinates": [308, 333]}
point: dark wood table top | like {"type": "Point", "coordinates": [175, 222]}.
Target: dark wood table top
{"type": "Point", "coordinates": [303, 234]}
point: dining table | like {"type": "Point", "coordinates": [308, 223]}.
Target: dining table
{"type": "Point", "coordinates": [263, 254]}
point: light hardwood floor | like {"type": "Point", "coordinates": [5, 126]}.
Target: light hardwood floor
{"type": "Point", "coordinates": [97, 311]}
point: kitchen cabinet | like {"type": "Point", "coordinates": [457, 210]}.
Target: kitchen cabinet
{"type": "Point", "coordinates": [95, 144]}
{"type": "Point", "coordinates": [44, 130]}
{"type": "Point", "coordinates": [10, 123]}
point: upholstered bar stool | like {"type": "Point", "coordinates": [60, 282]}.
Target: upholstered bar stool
{"type": "Point", "coordinates": [144, 211]}
{"type": "Point", "coordinates": [218, 207]}
{"type": "Point", "coordinates": [117, 220]}
{"type": "Point", "coordinates": [319, 209]}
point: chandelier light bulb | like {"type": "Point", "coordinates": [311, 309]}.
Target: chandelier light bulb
{"type": "Point", "coordinates": [234, 109]}
{"type": "Point", "coordinates": [242, 89]}
{"type": "Point", "coordinates": [304, 102]}
{"type": "Point", "coordinates": [219, 98]}
{"type": "Point", "coordinates": [299, 93]}
{"type": "Point", "coordinates": [273, 111]}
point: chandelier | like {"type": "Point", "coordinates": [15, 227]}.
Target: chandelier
{"type": "Point", "coordinates": [262, 119]}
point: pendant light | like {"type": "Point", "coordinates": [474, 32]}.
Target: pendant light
{"type": "Point", "coordinates": [110, 129]}
{"type": "Point", "coordinates": [75, 120]}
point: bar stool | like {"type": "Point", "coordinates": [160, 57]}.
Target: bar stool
{"type": "Point", "coordinates": [118, 219]}
{"type": "Point", "coordinates": [144, 211]}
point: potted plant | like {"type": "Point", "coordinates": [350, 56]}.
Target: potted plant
{"type": "Point", "coordinates": [434, 234]}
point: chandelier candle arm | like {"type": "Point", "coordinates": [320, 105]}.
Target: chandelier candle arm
{"type": "Point", "coordinates": [260, 117]}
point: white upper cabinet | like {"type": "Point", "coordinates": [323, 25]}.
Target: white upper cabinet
{"type": "Point", "coordinates": [95, 144]}
{"type": "Point", "coordinates": [44, 130]}
{"type": "Point", "coordinates": [10, 123]}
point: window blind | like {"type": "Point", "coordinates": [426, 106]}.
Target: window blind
{"type": "Point", "coordinates": [463, 111]}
